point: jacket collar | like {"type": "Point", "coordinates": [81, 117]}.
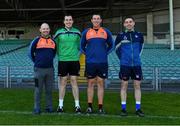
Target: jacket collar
{"type": "Point", "coordinates": [68, 29]}
{"type": "Point", "coordinates": [129, 31]}
{"type": "Point", "coordinates": [45, 37]}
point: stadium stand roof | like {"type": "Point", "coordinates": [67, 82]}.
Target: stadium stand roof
{"type": "Point", "coordinates": [53, 10]}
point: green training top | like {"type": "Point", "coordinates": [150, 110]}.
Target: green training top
{"type": "Point", "coordinates": [68, 44]}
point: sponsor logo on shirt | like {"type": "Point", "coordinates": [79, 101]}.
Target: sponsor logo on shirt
{"type": "Point", "coordinates": [136, 36]}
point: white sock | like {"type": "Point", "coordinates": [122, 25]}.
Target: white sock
{"type": "Point", "coordinates": [138, 102]}
{"type": "Point", "coordinates": [60, 103]}
{"type": "Point", "coordinates": [77, 103]}
{"type": "Point", "coordinates": [123, 102]}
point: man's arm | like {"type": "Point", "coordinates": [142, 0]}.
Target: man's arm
{"type": "Point", "coordinates": [118, 44]}
{"type": "Point", "coordinates": [78, 40]}
{"type": "Point", "coordinates": [141, 43]}
{"type": "Point", "coordinates": [110, 41]}
{"type": "Point", "coordinates": [83, 42]}
{"type": "Point", "coordinates": [32, 49]}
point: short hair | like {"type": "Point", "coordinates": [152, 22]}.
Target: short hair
{"type": "Point", "coordinates": [67, 15]}
{"type": "Point", "coordinates": [96, 14]}
{"type": "Point", "coordinates": [127, 18]}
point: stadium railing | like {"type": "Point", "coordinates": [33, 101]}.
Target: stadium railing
{"type": "Point", "coordinates": [155, 78]}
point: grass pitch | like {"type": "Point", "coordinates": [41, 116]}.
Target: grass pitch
{"type": "Point", "coordinates": [160, 108]}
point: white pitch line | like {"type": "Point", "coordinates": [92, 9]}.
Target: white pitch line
{"type": "Point", "coordinates": [85, 115]}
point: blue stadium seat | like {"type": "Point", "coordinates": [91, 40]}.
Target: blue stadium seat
{"type": "Point", "coordinates": [152, 56]}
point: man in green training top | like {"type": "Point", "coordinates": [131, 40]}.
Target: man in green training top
{"type": "Point", "coordinates": [68, 42]}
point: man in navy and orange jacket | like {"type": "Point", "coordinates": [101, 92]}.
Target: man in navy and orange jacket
{"type": "Point", "coordinates": [42, 52]}
{"type": "Point", "coordinates": [96, 44]}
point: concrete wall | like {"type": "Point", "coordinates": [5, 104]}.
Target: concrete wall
{"type": "Point", "coordinates": [160, 25]}
{"type": "Point", "coordinates": [30, 31]}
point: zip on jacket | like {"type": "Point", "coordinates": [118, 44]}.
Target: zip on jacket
{"type": "Point", "coordinates": [128, 46]}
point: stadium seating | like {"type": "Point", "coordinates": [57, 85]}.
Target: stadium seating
{"type": "Point", "coordinates": [167, 61]}
{"type": "Point", "coordinates": [9, 45]}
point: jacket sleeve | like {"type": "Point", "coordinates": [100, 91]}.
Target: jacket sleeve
{"type": "Point", "coordinates": [78, 40]}
{"type": "Point", "coordinates": [32, 49]}
{"type": "Point", "coordinates": [117, 45]}
{"type": "Point", "coordinates": [83, 42]}
{"type": "Point", "coordinates": [141, 43]}
{"type": "Point", "coordinates": [56, 35]}
{"type": "Point", "coordinates": [110, 41]}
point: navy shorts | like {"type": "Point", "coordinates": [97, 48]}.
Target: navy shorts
{"type": "Point", "coordinates": [126, 72]}
{"type": "Point", "coordinates": [96, 69]}
{"type": "Point", "coordinates": [70, 68]}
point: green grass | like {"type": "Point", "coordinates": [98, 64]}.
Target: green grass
{"type": "Point", "coordinates": [160, 108]}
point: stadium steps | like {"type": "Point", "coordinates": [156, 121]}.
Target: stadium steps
{"type": "Point", "coordinates": [82, 79]}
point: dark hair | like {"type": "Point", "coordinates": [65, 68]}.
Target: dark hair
{"type": "Point", "coordinates": [95, 14]}
{"type": "Point", "coordinates": [68, 15]}
{"type": "Point", "coordinates": [127, 18]}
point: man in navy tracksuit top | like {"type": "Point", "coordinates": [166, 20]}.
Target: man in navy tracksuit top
{"type": "Point", "coordinates": [129, 45]}
{"type": "Point", "coordinates": [42, 52]}
{"type": "Point", "coordinates": [96, 44]}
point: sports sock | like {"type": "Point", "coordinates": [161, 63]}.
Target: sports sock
{"type": "Point", "coordinates": [100, 106]}
{"type": "Point", "coordinates": [90, 105]}
{"type": "Point", "coordinates": [60, 103]}
{"type": "Point", "coordinates": [123, 105]}
{"type": "Point", "coordinates": [138, 105]}
{"type": "Point", "coordinates": [77, 103]}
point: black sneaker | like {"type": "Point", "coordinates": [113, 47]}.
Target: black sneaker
{"type": "Point", "coordinates": [139, 113]}
{"type": "Point", "coordinates": [89, 110]}
{"type": "Point", "coordinates": [60, 110]}
{"type": "Point", "coordinates": [124, 112]}
{"type": "Point", "coordinates": [78, 110]}
{"type": "Point", "coordinates": [101, 111]}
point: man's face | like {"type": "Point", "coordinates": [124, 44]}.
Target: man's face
{"type": "Point", "coordinates": [96, 20]}
{"type": "Point", "coordinates": [44, 29]}
{"type": "Point", "coordinates": [129, 24]}
{"type": "Point", "coordinates": [68, 21]}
